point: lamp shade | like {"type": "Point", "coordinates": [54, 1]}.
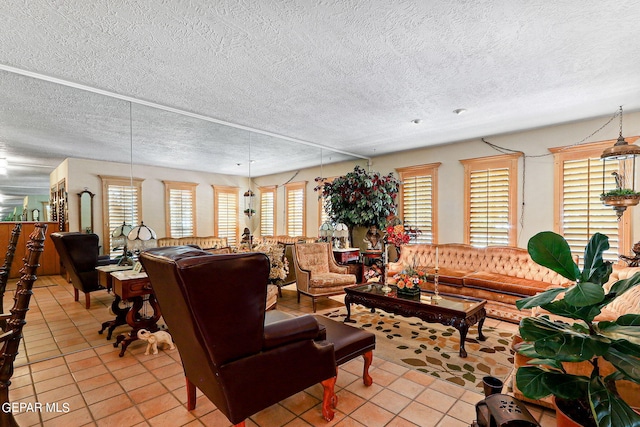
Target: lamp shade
{"type": "Point", "coordinates": [141, 238]}
{"type": "Point", "coordinates": [341, 230]}
{"type": "Point", "coordinates": [119, 235]}
{"type": "Point", "coordinates": [326, 229]}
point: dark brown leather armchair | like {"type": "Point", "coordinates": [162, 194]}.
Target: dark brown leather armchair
{"type": "Point", "coordinates": [214, 306]}
{"type": "Point", "coordinates": [79, 256]}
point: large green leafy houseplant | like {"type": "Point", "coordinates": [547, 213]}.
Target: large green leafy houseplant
{"type": "Point", "coordinates": [550, 343]}
{"type": "Point", "coordinates": [359, 198]}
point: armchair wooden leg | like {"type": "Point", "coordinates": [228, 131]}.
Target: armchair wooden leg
{"type": "Point", "coordinates": [298, 297]}
{"type": "Point", "coordinates": [76, 294]}
{"type": "Point", "coordinates": [368, 358]}
{"type": "Point", "coordinates": [313, 303]}
{"type": "Point", "coordinates": [191, 396]}
{"type": "Point", "coordinates": [87, 301]}
{"type": "Point", "coordinates": [328, 398]}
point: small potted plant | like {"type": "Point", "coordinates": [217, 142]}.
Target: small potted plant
{"type": "Point", "coordinates": [552, 344]}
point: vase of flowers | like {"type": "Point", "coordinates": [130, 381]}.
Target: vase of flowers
{"type": "Point", "coordinates": [279, 263]}
{"type": "Point", "coordinates": [397, 236]}
{"type": "Point", "coordinates": [408, 281]}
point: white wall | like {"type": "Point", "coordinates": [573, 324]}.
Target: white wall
{"type": "Point", "coordinates": [81, 173]}
{"type": "Point", "coordinates": [537, 211]}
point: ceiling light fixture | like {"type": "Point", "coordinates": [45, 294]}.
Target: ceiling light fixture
{"type": "Point", "coordinates": [416, 121]}
{"type": "Point", "coordinates": [249, 195]}
{"type": "Point", "coordinates": [459, 111]}
{"type": "Point", "coordinates": [624, 194]}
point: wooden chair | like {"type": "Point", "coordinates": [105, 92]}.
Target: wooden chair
{"type": "Point", "coordinates": [317, 272]}
{"type": "Point", "coordinates": [15, 320]}
{"type": "Point", "coordinates": [8, 262]}
{"type": "Point", "coordinates": [215, 307]}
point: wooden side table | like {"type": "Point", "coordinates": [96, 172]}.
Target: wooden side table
{"type": "Point", "coordinates": [347, 255]}
{"type": "Point", "coordinates": [105, 279]}
{"type": "Point", "coordinates": [135, 287]}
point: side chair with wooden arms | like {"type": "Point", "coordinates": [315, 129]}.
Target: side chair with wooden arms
{"type": "Point", "coordinates": [5, 270]}
{"type": "Point", "coordinates": [317, 272]}
{"type": "Point", "coordinates": [214, 306]}
{"type": "Point", "coordinates": [15, 320]}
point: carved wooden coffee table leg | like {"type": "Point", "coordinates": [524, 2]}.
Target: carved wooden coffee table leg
{"type": "Point", "coordinates": [481, 337]}
{"type": "Point", "coordinates": [347, 303]}
{"type": "Point", "coordinates": [463, 337]}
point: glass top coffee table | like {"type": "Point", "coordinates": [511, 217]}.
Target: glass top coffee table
{"type": "Point", "coordinates": [459, 312]}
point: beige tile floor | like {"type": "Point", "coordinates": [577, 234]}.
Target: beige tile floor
{"type": "Point", "coordinates": [64, 361]}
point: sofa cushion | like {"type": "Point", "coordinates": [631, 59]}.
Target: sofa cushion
{"type": "Point", "coordinates": [328, 280]}
{"type": "Point", "coordinates": [504, 284]}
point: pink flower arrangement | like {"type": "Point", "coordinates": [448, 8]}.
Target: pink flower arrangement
{"type": "Point", "coordinates": [397, 235]}
{"type": "Point", "coordinates": [410, 279]}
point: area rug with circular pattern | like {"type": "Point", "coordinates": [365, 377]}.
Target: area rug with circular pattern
{"type": "Point", "coordinates": [433, 348]}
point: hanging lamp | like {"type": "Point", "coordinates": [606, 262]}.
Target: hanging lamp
{"type": "Point", "coordinates": [624, 194]}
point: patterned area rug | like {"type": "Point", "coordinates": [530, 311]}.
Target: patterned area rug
{"type": "Point", "coordinates": [433, 348]}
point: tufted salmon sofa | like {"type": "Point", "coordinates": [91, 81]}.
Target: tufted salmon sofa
{"type": "Point", "coordinates": [500, 274]}
{"type": "Point", "coordinates": [209, 242]}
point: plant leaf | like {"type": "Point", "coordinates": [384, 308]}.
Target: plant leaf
{"type": "Point", "coordinates": [583, 294]}
{"type": "Point", "coordinates": [561, 341]}
{"type": "Point", "coordinates": [622, 286]}
{"type": "Point", "coordinates": [625, 363]}
{"type": "Point", "coordinates": [539, 299]}
{"type": "Point", "coordinates": [561, 308]}
{"type": "Point", "coordinates": [593, 256]}
{"type": "Point", "coordinates": [551, 250]}
{"type": "Point", "coordinates": [610, 410]}
{"type": "Point", "coordinates": [624, 328]}
{"type": "Point", "coordinates": [536, 383]}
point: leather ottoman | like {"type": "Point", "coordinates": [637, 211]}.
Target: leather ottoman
{"type": "Point", "coordinates": [348, 343]}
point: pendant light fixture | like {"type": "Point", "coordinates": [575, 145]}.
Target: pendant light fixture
{"type": "Point", "coordinates": [249, 195]}
{"type": "Point", "coordinates": [624, 194]}
{"type": "Point", "coordinates": [140, 237]}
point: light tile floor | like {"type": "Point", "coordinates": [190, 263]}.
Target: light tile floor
{"type": "Point", "coordinates": [64, 361]}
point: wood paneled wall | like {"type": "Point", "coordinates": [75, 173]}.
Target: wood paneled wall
{"type": "Point", "coordinates": [49, 261]}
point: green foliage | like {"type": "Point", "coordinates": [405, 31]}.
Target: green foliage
{"type": "Point", "coordinates": [359, 198]}
{"type": "Point", "coordinates": [549, 343]}
{"type": "Point", "coordinates": [620, 192]}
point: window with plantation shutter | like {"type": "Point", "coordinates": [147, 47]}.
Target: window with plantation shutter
{"type": "Point", "coordinates": [579, 212]}
{"type": "Point", "coordinates": [121, 203]}
{"type": "Point", "coordinates": [226, 213]}
{"type": "Point", "coordinates": [268, 211]}
{"type": "Point", "coordinates": [418, 200]}
{"type": "Point", "coordinates": [296, 218]}
{"type": "Point", "coordinates": [180, 209]}
{"type": "Point", "coordinates": [490, 200]}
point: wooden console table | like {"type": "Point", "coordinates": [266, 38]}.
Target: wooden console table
{"type": "Point", "coordinates": [135, 287]}
{"type": "Point", "coordinates": [459, 312]}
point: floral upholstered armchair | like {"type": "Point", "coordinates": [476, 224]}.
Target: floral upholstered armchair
{"type": "Point", "coordinates": [317, 272]}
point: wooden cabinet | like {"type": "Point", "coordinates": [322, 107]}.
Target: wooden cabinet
{"type": "Point", "coordinates": [49, 260]}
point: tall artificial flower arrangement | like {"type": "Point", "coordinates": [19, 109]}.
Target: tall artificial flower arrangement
{"type": "Point", "coordinates": [359, 198]}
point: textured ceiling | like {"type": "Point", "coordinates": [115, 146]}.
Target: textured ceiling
{"type": "Point", "coordinates": [348, 75]}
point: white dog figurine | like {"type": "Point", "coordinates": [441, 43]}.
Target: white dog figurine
{"type": "Point", "coordinates": [154, 340]}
